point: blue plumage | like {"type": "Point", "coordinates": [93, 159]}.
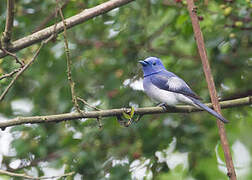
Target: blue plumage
{"type": "Point", "coordinates": [166, 87]}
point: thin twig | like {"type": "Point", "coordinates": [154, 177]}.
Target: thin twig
{"type": "Point", "coordinates": [8, 30]}
{"type": "Point", "coordinates": [24, 68]}
{"type": "Point", "coordinates": [70, 22]}
{"type": "Point", "coordinates": [13, 55]}
{"type": "Point", "coordinates": [209, 78]}
{"type": "Point", "coordinates": [49, 18]}
{"type": "Point", "coordinates": [9, 23]}
{"type": "Point", "coordinates": [99, 122]}
{"type": "Point", "coordinates": [69, 61]}
{"type": "Point", "coordinates": [10, 74]}
{"type": "Point", "coordinates": [12, 174]}
{"type": "Point", "coordinates": [117, 112]}
{"type": "Point", "coordinates": [86, 103]}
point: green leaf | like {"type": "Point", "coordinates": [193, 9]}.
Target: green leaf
{"type": "Point", "coordinates": [126, 116]}
{"type": "Point", "coordinates": [132, 112]}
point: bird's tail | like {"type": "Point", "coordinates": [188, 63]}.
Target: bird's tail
{"type": "Point", "coordinates": [211, 111]}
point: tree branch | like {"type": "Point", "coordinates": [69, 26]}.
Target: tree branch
{"type": "Point", "coordinates": [211, 86]}
{"type": "Point", "coordinates": [69, 61]}
{"type": "Point", "coordinates": [70, 22]}
{"type": "Point", "coordinates": [13, 55]}
{"type": "Point", "coordinates": [49, 18]}
{"type": "Point", "coordinates": [9, 23]}
{"type": "Point", "coordinates": [117, 112]}
{"type": "Point", "coordinates": [87, 104]}
{"type": "Point", "coordinates": [23, 69]}
{"type": "Point", "coordinates": [12, 174]}
{"type": "Point", "coordinates": [10, 74]}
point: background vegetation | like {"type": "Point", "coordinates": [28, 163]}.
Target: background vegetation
{"type": "Point", "coordinates": [104, 52]}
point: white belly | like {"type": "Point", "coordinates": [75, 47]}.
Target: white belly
{"type": "Point", "coordinates": [163, 96]}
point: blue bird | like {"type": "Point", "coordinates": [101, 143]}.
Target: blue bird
{"type": "Point", "coordinates": [167, 88]}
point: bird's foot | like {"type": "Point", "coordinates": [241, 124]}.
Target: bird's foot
{"type": "Point", "coordinates": [164, 106]}
{"type": "Point", "coordinates": [161, 104]}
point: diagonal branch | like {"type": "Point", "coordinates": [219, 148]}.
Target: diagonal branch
{"type": "Point", "coordinates": [10, 74]}
{"type": "Point", "coordinates": [49, 18]}
{"type": "Point", "coordinates": [117, 112]}
{"type": "Point", "coordinates": [70, 22]}
{"type": "Point", "coordinates": [23, 69]}
{"type": "Point", "coordinates": [209, 78]}
{"type": "Point", "coordinates": [69, 61]}
{"type": "Point", "coordinates": [13, 55]}
{"type": "Point", "coordinates": [87, 104]}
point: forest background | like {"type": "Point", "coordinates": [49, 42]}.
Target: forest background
{"type": "Point", "coordinates": [104, 51]}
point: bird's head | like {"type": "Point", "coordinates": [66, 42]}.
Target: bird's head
{"type": "Point", "coordinates": [151, 65]}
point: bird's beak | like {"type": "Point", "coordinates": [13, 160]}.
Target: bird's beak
{"type": "Point", "coordinates": [144, 63]}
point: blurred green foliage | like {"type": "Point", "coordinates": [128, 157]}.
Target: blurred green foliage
{"type": "Point", "coordinates": [104, 52]}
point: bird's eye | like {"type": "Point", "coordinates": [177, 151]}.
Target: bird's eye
{"type": "Point", "coordinates": [154, 63]}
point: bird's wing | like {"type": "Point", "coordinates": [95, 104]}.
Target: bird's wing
{"type": "Point", "coordinates": [172, 83]}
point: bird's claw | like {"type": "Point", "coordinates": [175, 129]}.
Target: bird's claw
{"type": "Point", "coordinates": [164, 106]}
